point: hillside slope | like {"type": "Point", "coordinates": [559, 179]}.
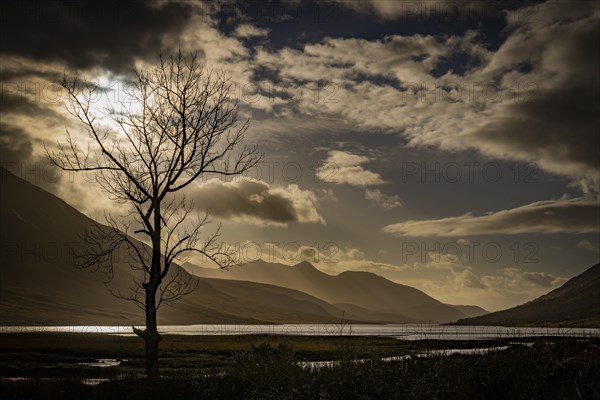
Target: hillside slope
{"type": "Point", "coordinates": [40, 286]}
{"type": "Point", "coordinates": [576, 301]}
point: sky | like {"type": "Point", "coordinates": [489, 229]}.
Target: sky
{"type": "Point", "coordinates": [447, 145]}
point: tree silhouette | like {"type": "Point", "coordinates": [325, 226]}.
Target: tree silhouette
{"type": "Point", "coordinates": [177, 125]}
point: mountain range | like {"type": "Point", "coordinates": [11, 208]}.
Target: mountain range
{"type": "Point", "coordinates": [39, 284]}
{"type": "Point", "coordinates": [360, 293]}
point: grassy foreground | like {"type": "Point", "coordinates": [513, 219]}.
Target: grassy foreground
{"type": "Point", "coordinates": [254, 367]}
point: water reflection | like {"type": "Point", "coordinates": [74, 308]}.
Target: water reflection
{"type": "Point", "coordinates": [424, 354]}
{"type": "Point", "coordinates": [400, 331]}
{"type": "Point", "coordinates": [87, 381]}
{"type": "Point", "coordinates": [103, 363]}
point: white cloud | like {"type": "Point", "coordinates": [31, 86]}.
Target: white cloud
{"type": "Point", "coordinates": [394, 9]}
{"type": "Point", "coordinates": [345, 159]}
{"type": "Point", "coordinates": [534, 99]}
{"type": "Point", "coordinates": [342, 167]}
{"type": "Point", "coordinates": [552, 216]}
{"type": "Point", "coordinates": [587, 245]}
{"type": "Point", "coordinates": [455, 282]}
{"type": "Point", "coordinates": [374, 84]}
{"type": "Point", "coordinates": [329, 257]}
{"type": "Point", "coordinates": [248, 30]}
{"type": "Point", "coordinates": [516, 280]}
{"type": "Point", "coordinates": [377, 197]}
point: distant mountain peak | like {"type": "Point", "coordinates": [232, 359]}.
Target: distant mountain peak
{"type": "Point", "coordinates": [304, 264]}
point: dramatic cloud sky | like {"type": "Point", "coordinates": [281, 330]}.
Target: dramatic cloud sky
{"type": "Point", "coordinates": [449, 145]}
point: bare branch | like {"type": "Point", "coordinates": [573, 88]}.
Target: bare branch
{"type": "Point", "coordinates": [177, 125]}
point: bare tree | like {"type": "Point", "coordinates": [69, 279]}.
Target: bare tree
{"type": "Point", "coordinates": [179, 124]}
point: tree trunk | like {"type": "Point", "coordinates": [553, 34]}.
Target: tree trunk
{"type": "Point", "coordinates": [151, 335]}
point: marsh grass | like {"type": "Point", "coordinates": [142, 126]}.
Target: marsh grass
{"type": "Point", "coordinates": [269, 369]}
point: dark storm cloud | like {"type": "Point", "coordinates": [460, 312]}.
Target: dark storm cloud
{"type": "Point", "coordinates": [25, 109]}
{"type": "Point", "coordinates": [86, 34]}
{"type": "Point", "coordinates": [257, 202]}
{"type": "Point", "coordinates": [557, 123]}
{"type": "Point", "coordinates": [15, 146]}
{"type": "Point", "coordinates": [18, 104]}
{"type": "Point", "coordinates": [9, 75]}
{"type": "Point", "coordinates": [560, 126]}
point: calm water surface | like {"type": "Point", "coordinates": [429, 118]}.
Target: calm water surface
{"type": "Point", "coordinates": [400, 331]}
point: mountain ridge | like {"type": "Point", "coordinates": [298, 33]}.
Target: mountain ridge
{"type": "Point", "coordinates": [40, 286]}
{"type": "Point", "coordinates": [362, 289]}
{"type": "Point", "coordinates": [572, 304]}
